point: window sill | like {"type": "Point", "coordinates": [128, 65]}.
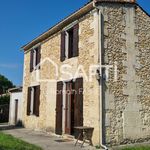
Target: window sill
{"type": "Point", "coordinates": [70, 59]}
{"type": "Point", "coordinates": [32, 115]}
{"type": "Point", "coordinates": [35, 70]}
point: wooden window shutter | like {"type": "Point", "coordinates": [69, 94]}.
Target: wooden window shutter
{"type": "Point", "coordinates": [76, 40]}
{"type": "Point", "coordinates": [78, 114]}
{"type": "Point", "coordinates": [31, 60]}
{"type": "Point", "coordinates": [36, 101]}
{"type": "Point", "coordinates": [28, 101]}
{"type": "Point", "coordinates": [38, 59]}
{"type": "Point", "coordinates": [59, 101]}
{"type": "Point", "coordinates": [62, 54]}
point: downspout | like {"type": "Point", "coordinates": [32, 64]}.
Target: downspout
{"type": "Point", "coordinates": [100, 72]}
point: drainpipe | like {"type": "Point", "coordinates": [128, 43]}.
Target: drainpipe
{"type": "Point", "coordinates": [100, 72]}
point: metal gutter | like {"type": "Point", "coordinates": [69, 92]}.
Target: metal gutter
{"type": "Point", "coordinates": [100, 72]}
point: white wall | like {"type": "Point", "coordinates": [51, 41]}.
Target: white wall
{"type": "Point", "coordinates": [13, 97]}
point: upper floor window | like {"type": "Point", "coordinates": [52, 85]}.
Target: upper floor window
{"type": "Point", "coordinates": [69, 43]}
{"type": "Point", "coordinates": [35, 56]}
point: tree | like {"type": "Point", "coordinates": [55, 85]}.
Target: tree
{"type": "Point", "coordinates": [4, 100]}
{"type": "Point", "coordinates": [5, 84]}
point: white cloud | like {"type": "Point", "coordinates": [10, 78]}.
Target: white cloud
{"type": "Point", "coordinates": [9, 66]}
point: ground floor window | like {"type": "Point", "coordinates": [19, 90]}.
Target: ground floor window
{"type": "Point", "coordinates": [33, 102]}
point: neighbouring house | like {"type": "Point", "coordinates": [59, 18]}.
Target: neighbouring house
{"type": "Point", "coordinates": [16, 106]}
{"type": "Point", "coordinates": [105, 45]}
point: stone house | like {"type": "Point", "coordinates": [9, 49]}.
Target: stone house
{"type": "Point", "coordinates": [104, 33]}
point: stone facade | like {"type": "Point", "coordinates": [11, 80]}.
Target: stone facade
{"type": "Point", "coordinates": [126, 36]}
{"type": "Point", "coordinates": [126, 41]}
{"type": "Point", "coordinates": [88, 54]}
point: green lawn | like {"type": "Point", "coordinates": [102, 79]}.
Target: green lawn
{"type": "Point", "coordinates": [138, 148]}
{"type": "Point", "coordinates": [7, 142]}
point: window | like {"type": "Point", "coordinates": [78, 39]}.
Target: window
{"type": "Point", "coordinates": [69, 43]}
{"type": "Point", "coordinates": [35, 57]}
{"type": "Point", "coordinates": [33, 102]}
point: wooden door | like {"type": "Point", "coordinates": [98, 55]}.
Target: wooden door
{"type": "Point", "coordinates": [68, 108]}
{"type": "Point", "coordinates": [78, 112]}
{"type": "Point", "coordinates": [16, 111]}
{"type": "Point", "coordinates": [59, 100]}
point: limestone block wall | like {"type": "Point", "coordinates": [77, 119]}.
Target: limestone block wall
{"type": "Point", "coordinates": [142, 31]}
{"type": "Point", "coordinates": [126, 41]}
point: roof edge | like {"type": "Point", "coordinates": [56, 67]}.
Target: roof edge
{"type": "Point", "coordinates": [143, 10]}
{"type": "Point", "coordinates": [17, 89]}
{"type": "Point", "coordinates": [74, 16]}
{"type": "Point", "coordinates": [88, 7]}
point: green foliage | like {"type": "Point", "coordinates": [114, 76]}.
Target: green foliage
{"type": "Point", "coordinates": [4, 100]}
{"type": "Point", "coordinates": [97, 147]}
{"type": "Point", "coordinates": [8, 142]}
{"type": "Point", "coordinates": [5, 84]}
{"type": "Point", "coordinates": [137, 148]}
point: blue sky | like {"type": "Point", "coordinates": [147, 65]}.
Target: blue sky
{"type": "Point", "coordinates": [23, 20]}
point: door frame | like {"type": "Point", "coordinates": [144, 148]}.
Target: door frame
{"type": "Point", "coordinates": [16, 110]}
{"type": "Point", "coordinates": [68, 109]}
{"type": "Point", "coordinates": [63, 121]}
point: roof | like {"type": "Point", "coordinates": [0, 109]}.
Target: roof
{"type": "Point", "coordinates": [6, 94]}
{"type": "Point", "coordinates": [74, 16]}
{"type": "Point", "coordinates": [14, 90]}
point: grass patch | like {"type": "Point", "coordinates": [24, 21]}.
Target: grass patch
{"type": "Point", "coordinates": [137, 148]}
{"type": "Point", "coordinates": [8, 142]}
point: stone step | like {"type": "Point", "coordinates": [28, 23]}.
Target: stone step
{"type": "Point", "coordinates": [68, 136]}
{"type": "Point", "coordinates": [6, 127]}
